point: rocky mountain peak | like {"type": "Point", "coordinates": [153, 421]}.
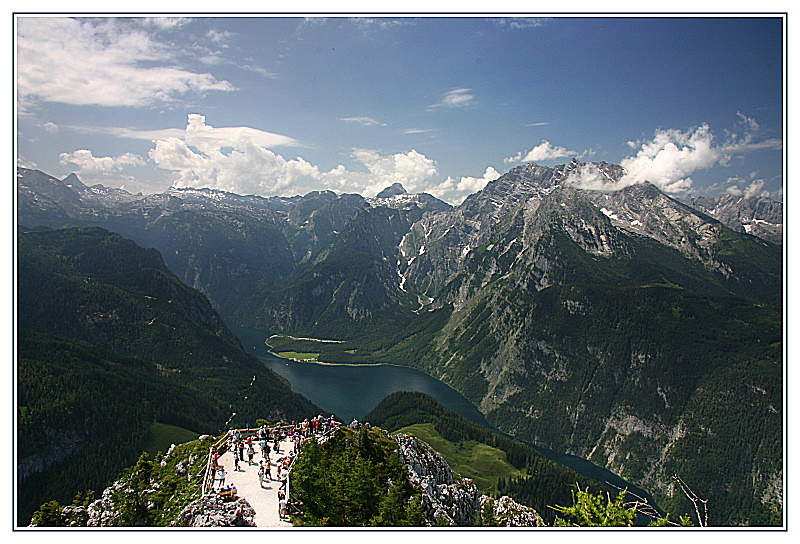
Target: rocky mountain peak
{"type": "Point", "coordinates": [395, 190]}
{"type": "Point", "coordinates": [73, 182]}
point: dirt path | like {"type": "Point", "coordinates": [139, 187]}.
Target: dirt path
{"type": "Point", "coordinates": [264, 500]}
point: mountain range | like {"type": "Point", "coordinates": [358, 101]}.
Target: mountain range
{"type": "Point", "coordinates": [638, 331]}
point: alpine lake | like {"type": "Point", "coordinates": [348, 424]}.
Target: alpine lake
{"type": "Point", "coordinates": [352, 391]}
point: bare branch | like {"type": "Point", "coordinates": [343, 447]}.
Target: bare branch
{"type": "Point", "coordinates": [642, 505]}
{"type": "Point", "coordinates": [702, 521]}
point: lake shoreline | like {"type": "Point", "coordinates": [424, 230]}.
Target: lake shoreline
{"type": "Point", "coordinates": [354, 389]}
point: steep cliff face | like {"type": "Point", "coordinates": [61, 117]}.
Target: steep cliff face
{"type": "Point", "coordinates": [447, 499]}
{"type": "Point", "coordinates": [451, 500]}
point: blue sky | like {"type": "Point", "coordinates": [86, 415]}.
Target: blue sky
{"type": "Point", "coordinates": [278, 105]}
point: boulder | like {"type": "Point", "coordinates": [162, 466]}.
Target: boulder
{"type": "Point", "coordinates": [509, 513]}
{"type": "Point", "coordinates": [213, 511]}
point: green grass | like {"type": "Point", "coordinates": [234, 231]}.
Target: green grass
{"type": "Point", "coordinates": [483, 464]}
{"type": "Point", "coordinates": [162, 436]}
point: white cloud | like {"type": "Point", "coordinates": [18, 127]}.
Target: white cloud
{"type": "Point", "coordinates": [166, 23]}
{"type": "Point", "coordinates": [133, 134]}
{"type": "Point", "coordinates": [50, 128]}
{"type": "Point", "coordinates": [100, 62]}
{"type": "Point", "coordinates": [92, 168]}
{"type": "Point", "coordinates": [258, 70]}
{"type": "Point", "coordinates": [236, 159]}
{"type": "Point", "coordinates": [410, 169]}
{"type": "Point", "coordinates": [746, 188]}
{"type": "Point", "coordinates": [671, 157]}
{"type": "Point", "coordinates": [754, 189]}
{"type": "Point", "coordinates": [455, 192]}
{"type": "Point", "coordinates": [542, 152]}
{"type": "Point", "coordinates": [196, 133]}
{"type": "Point", "coordinates": [368, 24]}
{"type": "Point", "coordinates": [204, 136]}
{"type": "Point", "coordinates": [233, 159]}
{"type": "Point", "coordinates": [590, 177]}
{"type": "Point", "coordinates": [744, 140]}
{"type": "Point", "coordinates": [454, 99]}
{"type": "Point", "coordinates": [219, 37]}
{"type": "Point", "coordinates": [366, 121]}
{"type": "Point", "coordinates": [734, 190]}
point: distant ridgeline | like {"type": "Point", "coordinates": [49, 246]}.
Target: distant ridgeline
{"type": "Point", "coordinates": [626, 327]}
{"type": "Point", "coordinates": [111, 343]}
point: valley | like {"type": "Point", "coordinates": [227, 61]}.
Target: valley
{"type": "Point", "coordinates": [623, 327]}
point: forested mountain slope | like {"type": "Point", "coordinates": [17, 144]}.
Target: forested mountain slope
{"type": "Point", "coordinates": [110, 341]}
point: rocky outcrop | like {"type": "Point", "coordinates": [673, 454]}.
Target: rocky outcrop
{"type": "Point", "coordinates": [213, 511]}
{"type": "Point", "coordinates": [509, 513]}
{"type": "Point", "coordinates": [447, 498]}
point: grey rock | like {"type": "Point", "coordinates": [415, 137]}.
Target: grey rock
{"type": "Point", "coordinates": [509, 513]}
{"type": "Point", "coordinates": [213, 511]}
{"type": "Point", "coordinates": [447, 498]}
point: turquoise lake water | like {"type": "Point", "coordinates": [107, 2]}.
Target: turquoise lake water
{"type": "Point", "coordinates": [352, 391]}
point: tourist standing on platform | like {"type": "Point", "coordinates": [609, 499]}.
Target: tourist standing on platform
{"type": "Point", "coordinates": [261, 473]}
{"type": "Point", "coordinates": [283, 505]}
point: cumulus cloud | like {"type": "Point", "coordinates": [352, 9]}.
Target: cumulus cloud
{"type": "Point", "coordinates": [542, 152]}
{"type": "Point", "coordinates": [204, 155]}
{"type": "Point", "coordinates": [590, 177]}
{"type": "Point", "coordinates": [455, 191]}
{"type": "Point", "coordinates": [231, 158]}
{"type": "Point", "coordinates": [671, 157]}
{"type": "Point", "coordinates": [754, 189]}
{"type": "Point", "coordinates": [746, 188]}
{"type": "Point", "coordinates": [410, 169]}
{"type": "Point", "coordinates": [86, 165]}
{"type": "Point", "coordinates": [236, 159]}
{"type": "Point", "coordinates": [455, 98]}
{"type": "Point", "coordinates": [102, 62]}
{"type": "Point", "coordinates": [108, 171]}
{"type": "Point", "coordinates": [206, 137]}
